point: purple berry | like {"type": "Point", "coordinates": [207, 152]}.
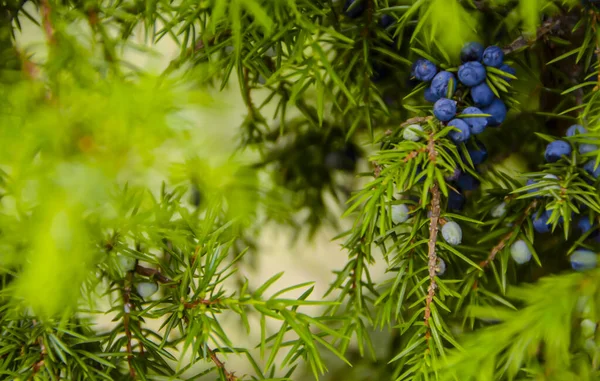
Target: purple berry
{"type": "Point", "coordinates": [493, 56]}
{"type": "Point", "coordinates": [482, 95]}
{"type": "Point", "coordinates": [576, 129]}
{"type": "Point", "coordinates": [556, 149]}
{"type": "Point", "coordinates": [440, 83]}
{"type": "Point", "coordinates": [589, 168]}
{"type": "Point", "coordinates": [466, 182]}
{"type": "Point", "coordinates": [444, 109]}
{"type": "Point", "coordinates": [357, 9]}
{"type": "Point", "coordinates": [471, 73]}
{"type": "Point", "coordinates": [507, 69]}
{"type": "Point", "coordinates": [430, 96]}
{"type": "Point", "coordinates": [540, 224]}
{"type": "Point", "coordinates": [424, 70]}
{"type": "Point", "coordinates": [477, 124]}
{"type": "Point", "coordinates": [471, 51]}
{"type": "Point", "coordinates": [497, 110]}
{"type": "Point", "coordinates": [463, 133]}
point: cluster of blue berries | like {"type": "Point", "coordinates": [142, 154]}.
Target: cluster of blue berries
{"type": "Point", "coordinates": [581, 259]}
{"type": "Point", "coordinates": [472, 74]}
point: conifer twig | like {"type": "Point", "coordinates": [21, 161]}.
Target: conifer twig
{"type": "Point", "coordinates": [127, 306]}
{"type": "Point", "coordinates": [46, 22]}
{"type": "Point", "coordinates": [496, 249]}
{"type": "Point", "coordinates": [522, 41]}
{"type": "Point", "coordinates": [152, 273]}
{"type": "Point", "coordinates": [221, 365]}
{"type": "Point", "coordinates": [433, 233]}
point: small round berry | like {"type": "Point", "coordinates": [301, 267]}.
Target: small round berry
{"type": "Point", "coordinates": [493, 56]}
{"type": "Point", "coordinates": [520, 252]}
{"type": "Point", "coordinates": [499, 210]}
{"type": "Point", "coordinates": [126, 263]}
{"type": "Point", "coordinates": [507, 69]}
{"type": "Point", "coordinates": [478, 154]}
{"type": "Point", "coordinates": [430, 96]}
{"type": "Point", "coordinates": [454, 175]}
{"type": "Point", "coordinates": [588, 328]}
{"type": "Point", "coordinates": [587, 148]}
{"type": "Point", "coordinates": [471, 73]}
{"type": "Point", "coordinates": [467, 182]}
{"type": "Point", "coordinates": [146, 289]}
{"type": "Point", "coordinates": [444, 109]}
{"type": "Point", "coordinates": [356, 11]}
{"type": "Point", "coordinates": [584, 225]}
{"type": "Point", "coordinates": [576, 129]}
{"type": "Point", "coordinates": [440, 267]}
{"type": "Point", "coordinates": [582, 260]}
{"type": "Point", "coordinates": [412, 132]}
{"type": "Point", "coordinates": [456, 201]}
{"type": "Point", "coordinates": [471, 51]}
{"type": "Point", "coordinates": [399, 213]}
{"type": "Point", "coordinates": [540, 224]}
{"type": "Point", "coordinates": [556, 149]}
{"type": "Point", "coordinates": [424, 70]}
{"type": "Point", "coordinates": [476, 124]}
{"type": "Point", "coordinates": [452, 233]}
{"type": "Point", "coordinates": [482, 95]}
{"type": "Point", "coordinates": [590, 167]}
{"type": "Point", "coordinates": [497, 110]}
{"type": "Point", "coordinates": [386, 20]}
{"type": "Point", "coordinates": [463, 134]}
{"type": "Point", "coordinates": [440, 83]}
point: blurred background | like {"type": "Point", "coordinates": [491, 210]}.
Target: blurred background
{"type": "Point", "coordinates": [302, 259]}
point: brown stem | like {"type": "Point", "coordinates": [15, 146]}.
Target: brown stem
{"type": "Point", "coordinates": [127, 307]}
{"type": "Point", "coordinates": [496, 249]}
{"type": "Point", "coordinates": [433, 233]}
{"type": "Point", "coordinates": [522, 41]}
{"type": "Point", "coordinates": [47, 22]}
{"type": "Point", "coordinates": [152, 273]}
{"type": "Point", "coordinates": [221, 365]}
{"type": "Point", "coordinates": [40, 363]}
{"type": "Point", "coordinates": [247, 92]}
{"type": "Point", "coordinates": [205, 302]}
{"type": "Point", "coordinates": [416, 119]}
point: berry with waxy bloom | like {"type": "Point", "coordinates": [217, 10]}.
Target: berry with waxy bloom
{"type": "Point", "coordinates": [424, 70]}
{"type": "Point", "coordinates": [520, 252]}
{"type": "Point", "coordinates": [471, 73]}
{"type": "Point", "coordinates": [444, 109]}
{"type": "Point", "coordinates": [441, 82]}
{"type": "Point", "coordinates": [452, 233]}
{"type": "Point", "coordinates": [497, 110]}
{"type": "Point", "coordinates": [556, 149]}
{"type": "Point", "coordinates": [493, 56]}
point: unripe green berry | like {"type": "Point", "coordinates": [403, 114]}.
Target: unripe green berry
{"type": "Point", "coordinates": [588, 328]}
{"type": "Point", "coordinates": [440, 267]}
{"type": "Point", "coordinates": [520, 252]}
{"type": "Point", "coordinates": [452, 233]}
{"type": "Point", "coordinates": [499, 210]}
{"type": "Point", "coordinates": [126, 263]}
{"type": "Point", "coordinates": [410, 132]}
{"type": "Point", "coordinates": [399, 213]}
{"type": "Point", "coordinates": [146, 289]}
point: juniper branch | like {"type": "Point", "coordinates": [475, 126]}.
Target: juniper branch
{"type": "Point", "coordinates": [496, 249]}
{"type": "Point", "coordinates": [522, 41]}
{"type": "Point", "coordinates": [433, 233]}
{"type": "Point", "coordinates": [229, 376]}
{"type": "Point", "coordinates": [47, 22]}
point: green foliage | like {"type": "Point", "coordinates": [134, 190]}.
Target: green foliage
{"type": "Point", "coordinates": [107, 184]}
